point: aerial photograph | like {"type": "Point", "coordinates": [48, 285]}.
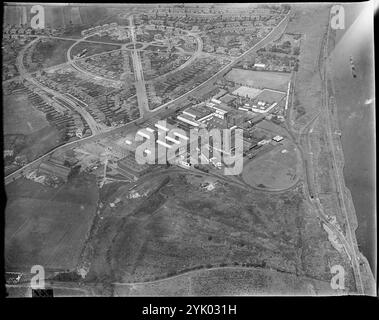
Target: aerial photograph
{"type": "Point", "coordinates": [189, 149]}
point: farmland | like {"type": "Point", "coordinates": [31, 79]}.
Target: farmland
{"type": "Point", "coordinates": [47, 226]}
{"type": "Point", "coordinates": [22, 117]}
{"type": "Point", "coordinates": [259, 79]}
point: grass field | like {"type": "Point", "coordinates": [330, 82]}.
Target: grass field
{"type": "Point", "coordinates": [20, 116]}
{"type": "Point", "coordinates": [311, 21]}
{"type": "Point", "coordinates": [259, 79]}
{"type": "Point", "coordinates": [108, 38]}
{"type": "Point", "coordinates": [41, 141]}
{"type": "Point", "coordinates": [52, 52]}
{"type": "Point", "coordinates": [271, 128]}
{"type": "Point", "coordinates": [247, 91]}
{"type": "Point", "coordinates": [274, 170]}
{"type": "Point", "coordinates": [48, 226]}
{"type": "Point", "coordinates": [92, 48]}
{"type": "Point", "coordinates": [271, 96]}
{"type": "Point", "coordinates": [228, 282]}
{"type": "Point", "coordinates": [182, 227]}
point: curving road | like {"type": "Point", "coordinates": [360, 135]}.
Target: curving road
{"type": "Point", "coordinates": [273, 34]}
{"type": "Point", "coordinates": [18, 173]}
{"type": "Point", "coordinates": [94, 126]}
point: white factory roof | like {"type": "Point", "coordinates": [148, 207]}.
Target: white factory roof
{"type": "Point", "coordinates": [181, 136]}
{"type": "Point", "coordinates": [216, 101]}
{"type": "Point", "coordinates": [186, 119]}
{"type": "Point", "coordinates": [161, 127]}
{"type": "Point", "coordinates": [263, 109]}
{"type": "Point", "coordinates": [164, 144]}
{"type": "Point", "coordinates": [143, 134]}
{"type": "Point", "coordinates": [259, 65]}
{"type": "Point", "coordinates": [172, 140]}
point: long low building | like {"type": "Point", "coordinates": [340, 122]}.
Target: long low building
{"type": "Point", "coordinates": [263, 108]}
{"type": "Point", "coordinates": [198, 113]}
{"type": "Point", "coordinates": [166, 145]}
{"type": "Point", "coordinates": [188, 119]}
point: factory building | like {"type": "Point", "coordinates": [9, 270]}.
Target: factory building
{"type": "Point", "coordinates": [220, 109]}
{"type": "Point", "coordinates": [263, 107]}
{"type": "Point", "coordinates": [188, 119]}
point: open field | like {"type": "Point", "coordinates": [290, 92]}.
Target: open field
{"type": "Point", "coordinates": [57, 17]}
{"type": "Point", "coordinates": [51, 52]}
{"type": "Point", "coordinates": [21, 116]}
{"type": "Point", "coordinates": [271, 128]}
{"type": "Point", "coordinates": [32, 145]}
{"type": "Point", "coordinates": [278, 169]}
{"type": "Point", "coordinates": [47, 226]}
{"type": "Point", "coordinates": [259, 79]}
{"type": "Point", "coordinates": [181, 227]}
{"type": "Point", "coordinates": [107, 38]}
{"type": "Point", "coordinates": [40, 142]}
{"type": "Point", "coordinates": [271, 96]}
{"type": "Point", "coordinates": [233, 281]}
{"type": "Point", "coordinates": [247, 92]}
{"type": "Point", "coordinates": [311, 22]}
{"type": "Point", "coordinates": [92, 48]}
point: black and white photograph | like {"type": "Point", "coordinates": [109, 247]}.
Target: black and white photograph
{"type": "Point", "coordinates": [189, 150]}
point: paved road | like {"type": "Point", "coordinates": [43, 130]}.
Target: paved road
{"type": "Point", "coordinates": [19, 173]}
{"type": "Point", "coordinates": [73, 64]}
{"type": "Point", "coordinates": [94, 126]}
{"type": "Point", "coordinates": [194, 56]}
{"type": "Point", "coordinates": [76, 39]}
{"type": "Point", "coordinates": [275, 32]}
{"type": "Point", "coordinates": [143, 103]}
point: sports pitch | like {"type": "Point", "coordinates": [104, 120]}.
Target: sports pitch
{"type": "Point", "coordinates": [277, 170]}
{"type": "Point", "coordinates": [259, 79]}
